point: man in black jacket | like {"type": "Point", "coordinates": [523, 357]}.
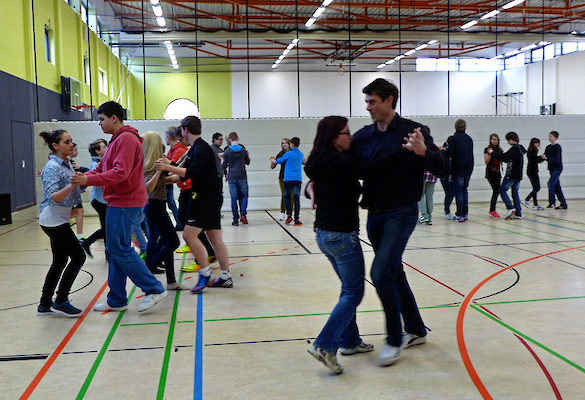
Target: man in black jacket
{"type": "Point", "coordinates": [515, 159]}
{"type": "Point", "coordinates": [391, 198]}
{"type": "Point", "coordinates": [460, 152]}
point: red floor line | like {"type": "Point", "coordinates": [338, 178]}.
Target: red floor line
{"type": "Point", "coordinates": [37, 379]}
{"type": "Point", "coordinates": [18, 227]}
{"type": "Point", "coordinates": [461, 317]}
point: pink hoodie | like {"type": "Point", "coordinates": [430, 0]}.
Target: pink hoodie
{"type": "Point", "coordinates": [121, 171]}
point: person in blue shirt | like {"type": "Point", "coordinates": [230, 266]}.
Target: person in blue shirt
{"type": "Point", "coordinates": [293, 161]}
{"type": "Point", "coordinates": [553, 154]}
{"type": "Point", "coordinates": [59, 197]}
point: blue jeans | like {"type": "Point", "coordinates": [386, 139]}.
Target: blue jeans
{"type": "Point", "coordinates": [447, 184]}
{"type": "Point", "coordinates": [460, 184]}
{"type": "Point", "coordinates": [293, 187]}
{"type": "Point", "coordinates": [239, 194]}
{"type": "Point", "coordinates": [124, 262]}
{"type": "Point", "coordinates": [344, 251]}
{"type": "Point", "coordinates": [389, 232]}
{"type": "Point", "coordinates": [508, 183]}
{"type": "Point", "coordinates": [172, 205]}
{"type": "Point", "coordinates": [139, 231]}
{"type": "Point", "coordinates": [554, 187]}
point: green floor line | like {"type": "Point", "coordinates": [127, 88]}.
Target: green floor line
{"type": "Point", "coordinates": [162, 383]}
{"type": "Point", "coordinates": [530, 301]}
{"type": "Point", "coordinates": [145, 323]}
{"type": "Point", "coordinates": [102, 352]}
{"type": "Point", "coordinates": [186, 322]}
{"type": "Point", "coordinates": [517, 332]}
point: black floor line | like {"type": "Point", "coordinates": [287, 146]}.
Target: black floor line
{"type": "Point", "coordinates": [307, 339]}
{"type": "Point", "coordinates": [24, 357]}
{"type": "Point", "coordinates": [290, 234]}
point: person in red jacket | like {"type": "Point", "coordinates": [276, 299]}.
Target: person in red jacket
{"type": "Point", "coordinates": [121, 173]}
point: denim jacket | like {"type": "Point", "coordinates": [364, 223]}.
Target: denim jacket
{"type": "Point", "coordinates": [55, 176]}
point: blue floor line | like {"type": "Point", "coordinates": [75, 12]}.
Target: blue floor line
{"type": "Point", "coordinates": [555, 225]}
{"type": "Point", "coordinates": [198, 381]}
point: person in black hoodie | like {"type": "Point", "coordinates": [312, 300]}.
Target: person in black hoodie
{"type": "Point", "coordinates": [236, 157]}
{"type": "Point", "coordinates": [553, 154]}
{"type": "Point", "coordinates": [460, 152]}
{"type": "Point", "coordinates": [514, 157]}
{"type": "Point", "coordinates": [532, 172]}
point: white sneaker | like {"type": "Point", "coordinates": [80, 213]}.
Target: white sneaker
{"type": "Point", "coordinates": [515, 217]}
{"type": "Point", "coordinates": [525, 203]}
{"type": "Point", "coordinates": [150, 300]}
{"type": "Point", "coordinates": [410, 339]}
{"type": "Point", "coordinates": [388, 355]}
{"type": "Point", "coordinates": [537, 208]}
{"type": "Point", "coordinates": [326, 357]}
{"type": "Point", "coordinates": [448, 217]}
{"type": "Point", "coordinates": [177, 286]}
{"type": "Point", "coordinates": [282, 217]}
{"type": "Point", "coordinates": [509, 213]}
{"type": "Point", "coordinates": [106, 307]}
{"type": "Point", "coordinates": [360, 348]}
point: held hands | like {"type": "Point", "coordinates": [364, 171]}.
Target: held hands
{"type": "Point", "coordinates": [162, 164]}
{"type": "Point", "coordinates": [79, 178]}
{"type": "Point", "coordinates": [543, 156]}
{"type": "Point", "coordinates": [490, 151]}
{"type": "Point", "coordinates": [415, 142]}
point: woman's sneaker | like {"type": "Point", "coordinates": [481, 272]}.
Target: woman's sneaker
{"type": "Point", "coordinates": [509, 213]}
{"type": "Point", "coordinates": [360, 348]}
{"type": "Point", "coordinates": [410, 339]}
{"type": "Point", "coordinates": [537, 208]}
{"type": "Point", "coordinates": [525, 203]}
{"type": "Point", "coordinates": [66, 309]}
{"type": "Point", "coordinates": [326, 357]}
{"type": "Point", "coordinates": [494, 214]}
{"type": "Point", "coordinates": [282, 217]}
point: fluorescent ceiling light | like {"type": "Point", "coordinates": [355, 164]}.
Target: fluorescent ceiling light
{"type": "Point", "coordinates": [274, 65]}
{"type": "Point", "coordinates": [295, 41]}
{"type": "Point", "coordinates": [469, 24]}
{"type": "Point", "coordinates": [285, 52]}
{"type": "Point", "coordinates": [167, 42]}
{"type": "Point", "coordinates": [326, 3]}
{"type": "Point", "coordinates": [529, 47]}
{"type": "Point", "coordinates": [390, 62]}
{"type": "Point", "coordinates": [318, 12]}
{"type": "Point", "coordinates": [171, 51]}
{"type": "Point", "coordinates": [310, 22]}
{"type": "Point", "coordinates": [432, 41]}
{"type": "Point", "coordinates": [157, 11]}
{"type": "Point", "coordinates": [381, 66]}
{"type": "Point", "coordinates": [277, 61]}
{"type": "Point", "coordinates": [399, 57]}
{"type": "Point", "coordinates": [161, 21]}
{"type": "Point", "coordinates": [512, 4]}
{"type": "Point", "coordinates": [290, 46]}
{"type": "Point", "coordinates": [154, 2]}
{"type": "Point", "coordinates": [409, 52]}
{"type": "Point", "coordinates": [490, 14]}
{"type": "Point", "coordinates": [512, 53]}
{"type": "Point", "coordinates": [175, 66]}
{"type": "Point", "coordinates": [422, 46]}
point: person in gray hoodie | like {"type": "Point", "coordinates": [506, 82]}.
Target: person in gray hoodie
{"type": "Point", "coordinates": [235, 159]}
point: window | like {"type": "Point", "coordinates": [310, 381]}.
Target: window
{"type": "Point", "coordinates": [581, 46]}
{"type": "Point", "coordinates": [49, 45]}
{"type": "Point", "coordinates": [180, 108]}
{"type": "Point", "coordinates": [103, 81]}
{"type": "Point", "coordinates": [538, 55]}
{"type": "Point", "coordinates": [549, 51]}
{"type": "Point", "coordinates": [86, 77]}
{"type": "Point", "coordinates": [515, 61]}
{"type": "Point", "coordinates": [569, 47]}
{"type": "Point", "coordinates": [447, 64]}
{"type": "Point", "coordinates": [426, 64]}
{"type": "Point", "coordinates": [83, 13]}
{"type": "Point", "coordinates": [480, 64]}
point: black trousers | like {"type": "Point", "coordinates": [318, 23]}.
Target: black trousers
{"type": "Point", "coordinates": [184, 197]}
{"type": "Point", "coordinates": [535, 182]}
{"type": "Point", "coordinates": [65, 246]}
{"type": "Point", "coordinates": [100, 208]}
{"type": "Point", "coordinates": [495, 180]}
{"type": "Point", "coordinates": [163, 239]}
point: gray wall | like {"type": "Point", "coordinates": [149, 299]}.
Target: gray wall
{"type": "Point", "coordinates": [262, 139]}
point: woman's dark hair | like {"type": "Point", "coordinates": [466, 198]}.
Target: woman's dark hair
{"type": "Point", "coordinates": [52, 137]}
{"type": "Point", "coordinates": [95, 146]}
{"type": "Point", "coordinates": [497, 148]}
{"type": "Point", "coordinates": [532, 145]}
{"type": "Point", "coordinates": [327, 130]}
{"type": "Point", "coordinates": [512, 136]}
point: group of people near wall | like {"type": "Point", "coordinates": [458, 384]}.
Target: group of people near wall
{"type": "Point", "coordinates": [386, 164]}
{"type": "Point", "coordinates": [458, 149]}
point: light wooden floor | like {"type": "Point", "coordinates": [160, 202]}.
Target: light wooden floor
{"type": "Point", "coordinates": [523, 333]}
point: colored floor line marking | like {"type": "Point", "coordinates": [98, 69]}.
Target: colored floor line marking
{"type": "Point", "coordinates": [145, 323]}
{"type": "Point", "coordinates": [102, 352]}
{"type": "Point", "coordinates": [461, 318]}
{"type": "Point", "coordinates": [524, 336]}
{"type": "Point", "coordinates": [198, 378]}
{"type": "Point", "coordinates": [39, 376]}
{"type": "Point", "coordinates": [165, 366]}
{"type": "Point", "coordinates": [18, 227]}
{"type": "Point", "coordinates": [288, 233]}
{"type": "Point", "coordinates": [555, 225]}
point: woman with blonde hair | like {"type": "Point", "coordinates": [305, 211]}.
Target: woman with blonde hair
{"type": "Point", "coordinates": [163, 238]}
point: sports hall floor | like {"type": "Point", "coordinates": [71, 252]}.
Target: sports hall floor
{"type": "Point", "coordinates": [522, 328]}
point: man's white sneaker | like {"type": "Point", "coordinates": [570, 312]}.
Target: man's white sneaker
{"type": "Point", "coordinates": [448, 217]}
{"type": "Point", "coordinates": [326, 357]}
{"type": "Point", "coordinates": [106, 307]}
{"type": "Point", "coordinates": [509, 213]}
{"type": "Point", "coordinates": [282, 217]}
{"type": "Point", "coordinates": [410, 339]}
{"type": "Point", "coordinates": [360, 348]}
{"type": "Point", "coordinates": [150, 300]}
{"type": "Point", "coordinates": [388, 355]}
{"type": "Point", "coordinates": [525, 203]}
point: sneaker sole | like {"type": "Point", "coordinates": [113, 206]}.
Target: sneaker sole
{"type": "Point", "coordinates": [42, 314]}
{"type": "Point", "coordinates": [59, 312]}
{"type": "Point", "coordinates": [114, 309]}
{"type": "Point", "coordinates": [347, 352]}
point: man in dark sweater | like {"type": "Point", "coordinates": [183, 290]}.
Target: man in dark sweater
{"type": "Point", "coordinates": [391, 198]}
{"type": "Point", "coordinates": [235, 159]}
{"type": "Point", "coordinates": [554, 155]}
{"type": "Point", "coordinates": [460, 152]}
{"type": "Point", "coordinates": [514, 157]}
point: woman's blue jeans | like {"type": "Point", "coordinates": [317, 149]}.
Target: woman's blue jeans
{"type": "Point", "coordinates": [344, 251]}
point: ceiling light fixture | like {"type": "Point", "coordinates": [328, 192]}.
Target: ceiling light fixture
{"type": "Point", "coordinates": [154, 2]}
{"type": "Point", "coordinates": [318, 13]}
{"type": "Point", "coordinates": [422, 46]}
{"type": "Point", "coordinates": [157, 10]}
{"type": "Point", "coordinates": [432, 42]}
{"type": "Point", "coordinates": [529, 47]}
{"type": "Point", "coordinates": [291, 46]}
{"type": "Point", "coordinates": [410, 52]}
{"type": "Point", "coordinates": [490, 14]}
{"type": "Point", "coordinates": [512, 4]}
{"type": "Point", "coordinates": [161, 22]}
{"type": "Point", "coordinates": [469, 24]}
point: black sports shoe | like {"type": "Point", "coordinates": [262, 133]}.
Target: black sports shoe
{"type": "Point", "coordinates": [44, 310]}
{"type": "Point", "coordinates": [85, 247]}
{"type": "Point", "coordinates": [156, 270]}
{"type": "Point", "coordinates": [66, 309]}
{"type": "Point", "coordinates": [235, 222]}
{"type": "Point", "coordinates": [550, 206]}
{"type": "Point", "coordinates": [561, 207]}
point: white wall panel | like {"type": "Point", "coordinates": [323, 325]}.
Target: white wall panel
{"type": "Point", "coordinates": [424, 93]}
{"type": "Point", "coordinates": [471, 93]}
{"type": "Point", "coordinates": [571, 83]}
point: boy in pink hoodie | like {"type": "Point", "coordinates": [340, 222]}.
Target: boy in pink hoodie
{"type": "Point", "coordinates": [121, 173]}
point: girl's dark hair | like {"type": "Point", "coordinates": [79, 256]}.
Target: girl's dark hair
{"type": "Point", "coordinates": [52, 137]}
{"type": "Point", "coordinates": [497, 148]}
{"type": "Point", "coordinates": [327, 130]}
{"type": "Point", "coordinates": [512, 136]}
{"type": "Point", "coordinates": [95, 146]}
{"type": "Point", "coordinates": [531, 146]}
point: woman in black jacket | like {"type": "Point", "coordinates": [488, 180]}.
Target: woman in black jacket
{"type": "Point", "coordinates": [492, 172]}
{"type": "Point", "coordinates": [532, 172]}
